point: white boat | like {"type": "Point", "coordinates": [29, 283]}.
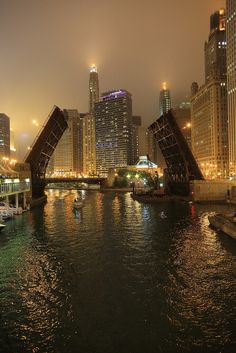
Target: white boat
{"type": "Point", "coordinates": [78, 203]}
{"type": "Point", "coordinates": [226, 222]}
{"type": "Point", "coordinates": [5, 211]}
{"type": "Point", "coordinates": [2, 226]}
{"type": "Point", "coordinates": [162, 215]}
{"type": "Point", "coordinates": [16, 210]}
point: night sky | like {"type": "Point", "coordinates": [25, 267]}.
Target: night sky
{"type": "Point", "coordinates": [47, 47]}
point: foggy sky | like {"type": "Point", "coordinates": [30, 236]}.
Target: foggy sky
{"type": "Point", "coordinates": [47, 47]}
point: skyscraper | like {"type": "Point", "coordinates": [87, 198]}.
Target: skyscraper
{"type": "Point", "coordinates": [209, 129]}
{"type": "Point", "coordinates": [80, 137]}
{"type": "Point", "coordinates": [165, 100]}
{"type": "Point", "coordinates": [136, 123]}
{"type": "Point", "coordinates": [89, 148]}
{"type": "Point", "coordinates": [12, 144]}
{"type": "Point", "coordinates": [4, 135]}
{"type": "Point", "coordinates": [113, 130]}
{"type": "Point", "coordinates": [231, 81]}
{"type": "Point", "coordinates": [65, 156]}
{"type": "Point", "coordinates": [89, 145]}
{"type": "Point", "coordinates": [215, 48]}
{"type": "Point", "coordinates": [93, 88]}
{"type": "Point", "coordinates": [182, 115]}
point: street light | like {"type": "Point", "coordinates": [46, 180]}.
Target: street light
{"type": "Point", "coordinates": [35, 122]}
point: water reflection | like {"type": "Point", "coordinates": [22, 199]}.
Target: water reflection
{"type": "Point", "coordinates": [115, 277]}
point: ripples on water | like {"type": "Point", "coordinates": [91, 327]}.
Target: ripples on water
{"type": "Point", "coordinates": [116, 278]}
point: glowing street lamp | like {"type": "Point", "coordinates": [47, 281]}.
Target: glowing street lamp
{"type": "Point", "coordinates": [35, 123]}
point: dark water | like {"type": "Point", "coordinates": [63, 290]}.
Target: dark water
{"type": "Point", "coordinates": [116, 278]}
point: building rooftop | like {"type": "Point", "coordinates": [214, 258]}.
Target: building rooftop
{"type": "Point", "coordinates": [114, 94]}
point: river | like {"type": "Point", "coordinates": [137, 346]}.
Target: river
{"type": "Point", "coordinates": [116, 277]}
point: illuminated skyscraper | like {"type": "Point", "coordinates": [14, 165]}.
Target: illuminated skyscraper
{"type": "Point", "coordinates": [89, 145]}
{"type": "Point", "coordinates": [136, 126]}
{"type": "Point", "coordinates": [182, 115]}
{"type": "Point", "coordinates": [113, 114]}
{"type": "Point", "coordinates": [12, 144]}
{"type": "Point", "coordinates": [4, 135]}
{"type": "Point", "coordinates": [65, 157]}
{"type": "Point", "coordinates": [215, 48]}
{"type": "Point", "coordinates": [165, 100]}
{"type": "Point", "coordinates": [231, 80]}
{"type": "Point", "coordinates": [209, 126]}
{"type": "Point", "coordinates": [93, 88]}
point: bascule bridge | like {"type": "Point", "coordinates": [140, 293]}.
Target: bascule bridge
{"type": "Point", "coordinates": [180, 162]}
{"type": "Point", "coordinates": [43, 148]}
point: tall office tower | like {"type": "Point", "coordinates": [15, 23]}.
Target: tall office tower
{"type": "Point", "coordinates": [165, 100]}
{"type": "Point", "coordinates": [182, 115]}
{"type": "Point", "coordinates": [113, 130]}
{"type": "Point", "coordinates": [93, 88]}
{"type": "Point", "coordinates": [215, 48]}
{"type": "Point", "coordinates": [89, 145]}
{"type": "Point", "coordinates": [4, 136]}
{"type": "Point", "coordinates": [136, 123]}
{"type": "Point", "coordinates": [231, 81]}
{"type": "Point", "coordinates": [142, 141]}
{"type": "Point", "coordinates": [209, 126]}
{"type": "Point", "coordinates": [80, 137]}
{"type": "Point", "coordinates": [153, 150]}
{"type": "Point", "coordinates": [65, 155]}
{"type": "Point", "coordinates": [12, 145]}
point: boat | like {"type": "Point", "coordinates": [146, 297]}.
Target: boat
{"type": "Point", "coordinates": [2, 226]}
{"type": "Point", "coordinates": [226, 222]}
{"type": "Point", "coordinates": [145, 198]}
{"type": "Point", "coordinates": [7, 211]}
{"type": "Point", "coordinates": [162, 215]}
{"type": "Point", "coordinates": [16, 210]}
{"type": "Point", "coordinates": [77, 203]}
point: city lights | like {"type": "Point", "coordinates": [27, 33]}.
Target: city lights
{"type": "Point", "coordinates": [112, 179]}
{"type": "Point", "coordinates": [35, 123]}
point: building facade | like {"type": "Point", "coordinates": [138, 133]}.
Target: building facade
{"type": "Point", "coordinates": [182, 115]}
{"type": "Point", "coordinates": [4, 136]}
{"type": "Point", "coordinates": [209, 125]}
{"type": "Point", "coordinates": [65, 157]}
{"type": "Point", "coordinates": [93, 88]}
{"type": "Point", "coordinates": [12, 145]}
{"type": "Point", "coordinates": [89, 145]}
{"type": "Point", "coordinates": [164, 100]}
{"type": "Point", "coordinates": [136, 124]}
{"type": "Point", "coordinates": [113, 114]}
{"type": "Point", "coordinates": [80, 137]}
{"type": "Point", "coordinates": [88, 138]}
{"type": "Point", "coordinates": [231, 81]}
{"type": "Point", "coordinates": [215, 48]}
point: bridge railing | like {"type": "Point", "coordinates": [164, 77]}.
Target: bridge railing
{"type": "Point", "coordinates": [14, 187]}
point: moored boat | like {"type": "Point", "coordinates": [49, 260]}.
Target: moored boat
{"type": "Point", "coordinates": [145, 198]}
{"type": "Point", "coordinates": [77, 203]}
{"type": "Point", "coordinates": [6, 213]}
{"type": "Point", "coordinates": [226, 222]}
